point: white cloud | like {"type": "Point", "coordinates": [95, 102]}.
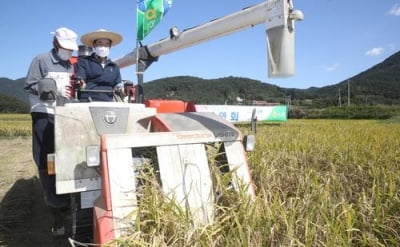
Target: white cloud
{"type": "Point", "coordinates": [332, 67]}
{"type": "Point", "coordinates": [395, 10]}
{"type": "Point", "coordinates": [375, 51]}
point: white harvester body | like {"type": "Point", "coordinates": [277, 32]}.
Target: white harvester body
{"type": "Point", "coordinates": [95, 157]}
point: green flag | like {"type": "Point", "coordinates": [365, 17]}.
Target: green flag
{"type": "Point", "coordinates": [149, 14]}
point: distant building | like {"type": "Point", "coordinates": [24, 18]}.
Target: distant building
{"type": "Point", "coordinates": [263, 102]}
{"type": "Point", "coordinates": [308, 101]}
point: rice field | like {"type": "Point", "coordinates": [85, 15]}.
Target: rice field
{"type": "Point", "coordinates": [12, 125]}
{"type": "Point", "coordinates": [330, 183]}
{"type": "Point", "coordinates": [318, 183]}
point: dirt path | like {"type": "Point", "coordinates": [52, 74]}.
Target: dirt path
{"type": "Point", "coordinates": [24, 218]}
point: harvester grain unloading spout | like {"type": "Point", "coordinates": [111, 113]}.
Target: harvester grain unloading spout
{"type": "Point", "coordinates": [278, 15]}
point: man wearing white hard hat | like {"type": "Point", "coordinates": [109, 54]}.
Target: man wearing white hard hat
{"type": "Point", "coordinates": [48, 84]}
{"type": "Point", "coordinates": [100, 75]}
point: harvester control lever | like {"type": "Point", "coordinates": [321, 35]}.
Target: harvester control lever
{"type": "Point", "coordinates": [77, 83]}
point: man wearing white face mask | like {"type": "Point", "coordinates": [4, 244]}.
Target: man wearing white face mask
{"type": "Point", "coordinates": [98, 73]}
{"type": "Point", "coordinates": [53, 66]}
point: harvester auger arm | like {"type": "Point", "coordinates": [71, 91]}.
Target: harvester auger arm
{"type": "Point", "coordinates": [278, 15]}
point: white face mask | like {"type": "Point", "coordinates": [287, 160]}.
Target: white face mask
{"type": "Point", "coordinates": [64, 54]}
{"type": "Point", "coordinates": [102, 51]}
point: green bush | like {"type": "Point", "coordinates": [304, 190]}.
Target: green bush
{"type": "Point", "coordinates": [347, 112]}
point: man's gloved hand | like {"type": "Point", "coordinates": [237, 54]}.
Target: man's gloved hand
{"type": "Point", "coordinates": [76, 84]}
{"type": "Point", "coordinates": [119, 91]}
{"type": "Point", "coordinates": [83, 84]}
{"type": "Point", "coordinates": [118, 94]}
{"type": "Point", "coordinates": [68, 92]}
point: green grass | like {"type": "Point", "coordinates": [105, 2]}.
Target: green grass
{"type": "Point", "coordinates": [395, 119]}
{"type": "Point", "coordinates": [318, 183]}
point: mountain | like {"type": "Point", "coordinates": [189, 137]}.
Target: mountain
{"type": "Point", "coordinates": [13, 88]}
{"type": "Point", "coordinates": [379, 84]}
{"type": "Point", "coordinates": [12, 105]}
{"type": "Point", "coordinates": [12, 96]}
{"type": "Point", "coordinates": [215, 91]}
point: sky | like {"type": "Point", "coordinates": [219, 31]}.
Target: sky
{"type": "Point", "coordinates": [337, 39]}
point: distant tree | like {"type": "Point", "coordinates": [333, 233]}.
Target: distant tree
{"type": "Point", "coordinates": [12, 105]}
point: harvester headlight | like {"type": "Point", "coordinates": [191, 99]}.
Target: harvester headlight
{"type": "Point", "coordinates": [249, 142]}
{"type": "Point", "coordinates": [92, 156]}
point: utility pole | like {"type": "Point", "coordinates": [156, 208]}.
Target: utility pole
{"type": "Point", "coordinates": [288, 100]}
{"type": "Point", "coordinates": [348, 92]}
{"type": "Point", "coordinates": [340, 99]}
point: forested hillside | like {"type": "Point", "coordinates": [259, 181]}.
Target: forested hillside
{"type": "Point", "coordinates": [12, 105]}
{"type": "Point", "coordinates": [217, 91]}
{"type": "Point", "coordinates": [13, 88]}
{"type": "Point", "coordinates": [379, 85]}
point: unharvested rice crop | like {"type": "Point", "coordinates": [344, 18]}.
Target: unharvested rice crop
{"type": "Point", "coordinates": [12, 125]}
{"type": "Point", "coordinates": [318, 182]}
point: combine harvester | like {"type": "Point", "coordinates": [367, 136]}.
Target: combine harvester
{"type": "Point", "coordinates": [100, 145]}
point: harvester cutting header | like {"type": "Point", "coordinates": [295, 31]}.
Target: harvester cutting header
{"type": "Point", "coordinates": [100, 146]}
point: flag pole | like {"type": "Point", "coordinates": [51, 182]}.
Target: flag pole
{"type": "Point", "coordinates": [148, 16]}
{"type": "Point", "coordinates": [139, 75]}
{"type": "Point", "coordinates": [139, 71]}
